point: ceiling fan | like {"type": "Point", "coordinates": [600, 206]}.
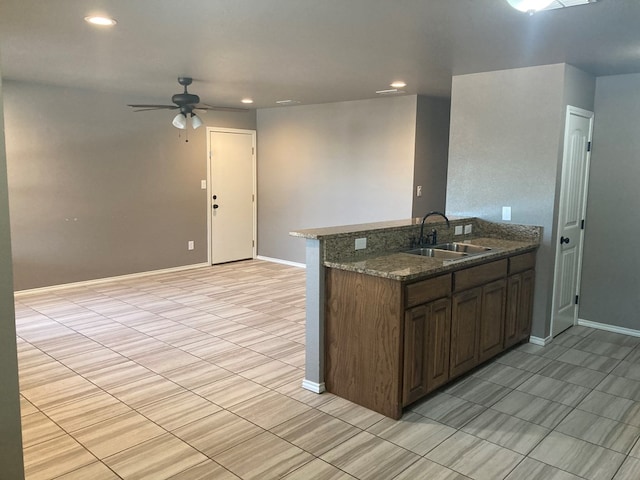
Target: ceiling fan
{"type": "Point", "coordinates": [186, 102]}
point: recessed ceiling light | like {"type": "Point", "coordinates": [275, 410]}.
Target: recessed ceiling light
{"type": "Point", "coordinates": [247, 100]}
{"type": "Point", "coordinates": [398, 84]}
{"type": "Point", "coordinates": [101, 21]}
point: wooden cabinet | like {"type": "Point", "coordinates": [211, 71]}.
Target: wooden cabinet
{"type": "Point", "coordinates": [465, 311]}
{"type": "Point", "coordinates": [519, 308]}
{"type": "Point", "coordinates": [477, 315]}
{"type": "Point", "coordinates": [491, 328]}
{"type": "Point", "coordinates": [389, 343]}
{"type": "Point", "coordinates": [363, 340]}
{"type": "Point", "coordinates": [426, 349]}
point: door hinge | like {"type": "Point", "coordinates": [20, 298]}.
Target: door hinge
{"type": "Point", "coordinates": [582, 224]}
{"type": "Point", "coordinates": [577, 297]}
{"type": "Point", "coordinates": [253, 150]}
{"type": "Point", "coordinates": [588, 146]}
{"type": "Point", "coordinates": [253, 243]}
{"type": "Point", "coordinates": [253, 198]}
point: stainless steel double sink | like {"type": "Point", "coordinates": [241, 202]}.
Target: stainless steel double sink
{"type": "Point", "coordinates": [449, 250]}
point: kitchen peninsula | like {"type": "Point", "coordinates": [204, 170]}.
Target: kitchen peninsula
{"type": "Point", "coordinates": [385, 327]}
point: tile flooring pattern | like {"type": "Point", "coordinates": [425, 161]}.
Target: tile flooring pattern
{"type": "Point", "coordinates": [196, 375]}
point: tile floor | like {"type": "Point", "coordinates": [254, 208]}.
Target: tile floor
{"type": "Point", "coordinates": [196, 375]}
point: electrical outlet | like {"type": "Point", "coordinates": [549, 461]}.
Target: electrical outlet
{"type": "Point", "coordinates": [419, 191]}
{"type": "Point", "coordinates": [457, 230]}
{"type": "Point", "coordinates": [203, 184]}
{"type": "Point", "coordinates": [468, 228]}
{"type": "Point", "coordinates": [190, 245]}
{"type": "Point", "coordinates": [361, 243]}
{"type": "Point", "coordinates": [506, 214]}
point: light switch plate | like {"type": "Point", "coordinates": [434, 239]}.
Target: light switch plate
{"type": "Point", "coordinates": [506, 213]}
{"type": "Point", "coordinates": [190, 245]}
{"type": "Point", "coordinates": [468, 228]}
{"type": "Point", "coordinates": [419, 191]}
{"type": "Point", "coordinates": [361, 243]}
{"type": "Point", "coordinates": [457, 230]}
{"type": "Point", "coordinates": [203, 184]}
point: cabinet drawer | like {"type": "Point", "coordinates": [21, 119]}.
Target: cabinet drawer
{"type": "Point", "coordinates": [427, 290]}
{"type": "Point", "coordinates": [475, 276]}
{"type": "Point", "coordinates": [520, 263]}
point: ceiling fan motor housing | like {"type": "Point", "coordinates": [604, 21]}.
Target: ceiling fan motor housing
{"type": "Point", "coordinates": [185, 98]}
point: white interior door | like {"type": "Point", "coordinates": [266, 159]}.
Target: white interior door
{"type": "Point", "coordinates": [232, 194]}
{"type": "Point", "coordinates": [572, 209]}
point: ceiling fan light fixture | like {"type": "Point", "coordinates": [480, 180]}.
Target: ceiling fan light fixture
{"type": "Point", "coordinates": [195, 121]}
{"type": "Point", "coordinates": [529, 6]}
{"type": "Point", "coordinates": [180, 121]}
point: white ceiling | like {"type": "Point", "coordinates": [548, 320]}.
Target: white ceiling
{"type": "Point", "coordinates": [313, 51]}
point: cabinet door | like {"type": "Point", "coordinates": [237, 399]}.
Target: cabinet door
{"type": "Point", "coordinates": [494, 296]}
{"type": "Point", "coordinates": [438, 343]}
{"type": "Point", "coordinates": [465, 313]}
{"type": "Point", "coordinates": [525, 306]}
{"type": "Point", "coordinates": [414, 378]}
{"type": "Point", "coordinates": [427, 334]}
{"type": "Point", "coordinates": [512, 321]}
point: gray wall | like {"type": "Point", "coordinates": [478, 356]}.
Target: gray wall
{"type": "Point", "coordinates": [431, 154]}
{"type": "Point", "coordinates": [11, 465]}
{"type": "Point", "coordinates": [611, 276]}
{"type": "Point", "coordinates": [97, 190]}
{"type": "Point", "coordinates": [505, 150]}
{"type": "Point", "coordinates": [332, 164]}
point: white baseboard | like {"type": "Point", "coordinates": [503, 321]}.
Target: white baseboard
{"type": "Point", "coordinates": [313, 386]}
{"type": "Point", "coordinates": [97, 281]}
{"type": "Point", "coordinates": [609, 328]}
{"type": "Point", "coordinates": [283, 262]}
{"type": "Point", "coordinates": [541, 341]}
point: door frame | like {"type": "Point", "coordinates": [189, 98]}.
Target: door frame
{"type": "Point", "coordinates": [254, 182]}
{"type": "Point", "coordinates": [571, 110]}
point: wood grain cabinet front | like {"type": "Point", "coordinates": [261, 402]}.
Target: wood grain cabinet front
{"type": "Point", "coordinates": [427, 329]}
{"type": "Point", "coordinates": [478, 306]}
{"type": "Point", "coordinates": [388, 343]}
{"type": "Point", "coordinates": [519, 309]}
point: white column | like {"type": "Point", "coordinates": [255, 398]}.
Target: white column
{"type": "Point", "coordinates": [314, 366]}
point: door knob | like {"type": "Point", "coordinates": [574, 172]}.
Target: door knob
{"type": "Point", "coordinates": [564, 240]}
{"type": "Point", "coordinates": [215, 205]}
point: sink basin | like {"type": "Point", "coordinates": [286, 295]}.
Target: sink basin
{"type": "Point", "coordinates": [437, 253]}
{"type": "Point", "coordinates": [461, 247]}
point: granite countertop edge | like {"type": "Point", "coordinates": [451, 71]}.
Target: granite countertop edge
{"type": "Point", "coordinates": [367, 228]}
{"type": "Point", "coordinates": [404, 266]}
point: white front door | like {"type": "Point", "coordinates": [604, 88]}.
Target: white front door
{"type": "Point", "coordinates": [232, 194]}
{"type": "Point", "coordinates": [572, 209]}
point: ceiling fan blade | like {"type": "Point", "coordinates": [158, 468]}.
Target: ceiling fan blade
{"type": "Point", "coordinates": [204, 106]}
{"type": "Point", "coordinates": [153, 106]}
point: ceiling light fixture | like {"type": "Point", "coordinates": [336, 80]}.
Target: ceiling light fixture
{"type": "Point", "coordinates": [247, 100]}
{"type": "Point", "coordinates": [533, 6]}
{"type": "Point", "coordinates": [398, 84]}
{"type": "Point", "coordinates": [529, 6]}
{"type": "Point", "coordinates": [101, 21]}
{"type": "Point", "coordinates": [180, 121]}
{"type": "Point", "coordinates": [195, 121]}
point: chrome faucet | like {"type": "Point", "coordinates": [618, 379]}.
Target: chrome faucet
{"type": "Point", "coordinates": [434, 233]}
